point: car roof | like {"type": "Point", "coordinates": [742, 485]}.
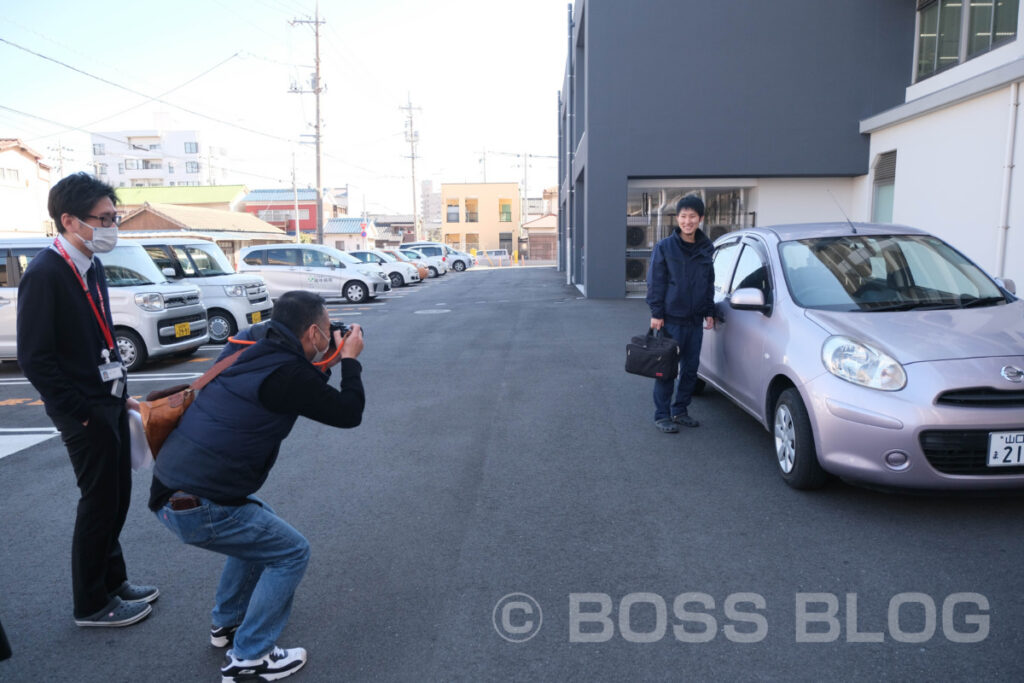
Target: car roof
{"type": "Point", "coordinates": [797, 231]}
{"type": "Point", "coordinates": [146, 241]}
{"type": "Point", "coordinates": [26, 241]}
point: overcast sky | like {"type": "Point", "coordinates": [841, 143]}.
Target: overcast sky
{"type": "Point", "coordinates": [485, 75]}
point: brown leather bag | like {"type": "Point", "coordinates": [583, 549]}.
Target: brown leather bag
{"type": "Point", "coordinates": [162, 410]}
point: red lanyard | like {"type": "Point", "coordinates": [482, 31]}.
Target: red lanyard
{"type": "Point", "coordinates": [101, 319]}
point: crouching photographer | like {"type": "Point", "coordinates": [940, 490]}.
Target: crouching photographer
{"type": "Point", "coordinates": [221, 453]}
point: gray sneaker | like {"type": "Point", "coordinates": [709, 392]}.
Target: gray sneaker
{"type": "Point", "coordinates": [666, 425]}
{"type": "Point", "coordinates": [132, 593]}
{"type": "Point", "coordinates": [117, 613]}
{"type": "Point", "coordinates": [685, 420]}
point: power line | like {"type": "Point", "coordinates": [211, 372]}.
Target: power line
{"type": "Point", "coordinates": [136, 92]}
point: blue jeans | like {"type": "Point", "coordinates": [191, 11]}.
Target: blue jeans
{"type": "Point", "coordinates": [689, 338]}
{"type": "Point", "coordinates": [266, 561]}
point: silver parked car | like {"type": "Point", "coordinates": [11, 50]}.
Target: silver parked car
{"type": "Point", "coordinates": [876, 353]}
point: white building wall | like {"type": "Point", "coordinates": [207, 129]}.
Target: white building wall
{"type": "Point", "coordinates": [802, 200]}
{"type": "Point", "coordinates": [171, 156]}
{"type": "Point", "coordinates": [949, 174]}
{"type": "Point", "coordinates": [23, 198]}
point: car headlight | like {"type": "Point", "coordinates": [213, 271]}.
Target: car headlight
{"type": "Point", "coordinates": [234, 290]}
{"type": "Point", "coordinates": [381, 275]}
{"type": "Point", "coordinates": [150, 302]}
{"type": "Point", "coordinates": [861, 364]}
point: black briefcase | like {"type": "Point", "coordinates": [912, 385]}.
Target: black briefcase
{"type": "Point", "coordinates": [653, 355]}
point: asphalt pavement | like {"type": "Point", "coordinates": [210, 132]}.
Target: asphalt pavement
{"type": "Point", "coordinates": [507, 511]}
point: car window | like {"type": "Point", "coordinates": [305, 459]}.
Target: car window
{"type": "Point", "coordinates": [724, 259]}
{"type": "Point", "coordinates": [282, 257]}
{"type": "Point", "coordinates": [254, 258]}
{"type": "Point", "coordinates": [4, 281]}
{"type": "Point", "coordinates": [184, 262]}
{"type": "Point", "coordinates": [429, 251]}
{"type": "Point", "coordinates": [24, 256]}
{"type": "Point", "coordinates": [207, 260]}
{"type": "Point", "coordinates": [751, 271]}
{"type": "Point", "coordinates": [883, 272]}
{"type": "Point", "coordinates": [159, 256]}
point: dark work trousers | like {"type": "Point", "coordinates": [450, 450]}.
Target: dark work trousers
{"type": "Point", "coordinates": [101, 456]}
{"type": "Point", "coordinates": [689, 338]}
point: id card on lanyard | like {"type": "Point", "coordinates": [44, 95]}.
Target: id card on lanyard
{"type": "Point", "coordinates": [110, 371]}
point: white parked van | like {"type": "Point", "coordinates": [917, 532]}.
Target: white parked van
{"type": "Point", "coordinates": [315, 268]}
{"type": "Point", "coordinates": [152, 317]}
{"type": "Point", "coordinates": [233, 301]}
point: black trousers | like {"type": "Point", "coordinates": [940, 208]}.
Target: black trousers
{"type": "Point", "coordinates": [101, 457]}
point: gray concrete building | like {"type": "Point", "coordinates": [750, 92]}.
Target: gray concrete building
{"type": "Point", "coordinates": [756, 106]}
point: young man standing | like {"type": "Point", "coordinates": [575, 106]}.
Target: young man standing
{"type": "Point", "coordinates": [680, 294]}
{"type": "Point", "coordinates": [67, 351]}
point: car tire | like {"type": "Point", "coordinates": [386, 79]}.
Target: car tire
{"type": "Point", "coordinates": [396, 280]}
{"type": "Point", "coordinates": [458, 266]}
{"type": "Point", "coordinates": [433, 271]}
{"type": "Point", "coordinates": [794, 443]}
{"type": "Point", "coordinates": [356, 292]}
{"type": "Point", "coordinates": [221, 325]}
{"type": "Point", "coordinates": [131, 348]}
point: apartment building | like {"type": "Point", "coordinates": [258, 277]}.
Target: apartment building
{"type": "Point", "coordinates": [150, 158]}
{"type": "Point", "coordinates": [24, 188]}
{"type": "Point", "coordinates": [481, 215]}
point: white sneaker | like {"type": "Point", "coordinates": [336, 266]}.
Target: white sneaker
{"type": "Point", "coordinates": [276, 664]}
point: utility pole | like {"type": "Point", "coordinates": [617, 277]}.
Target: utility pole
{"type": "Point", "coordinates": [295, 198]}
{"type": "Point", "coordinates": [412, 136]}
{"type": "Point", "coordinates": [317, 88]}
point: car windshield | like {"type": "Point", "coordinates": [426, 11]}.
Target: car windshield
{"type": "Point", "coordinates": [412, 253]}
{"type": "Point", "coordinates": [347, 258]}
{"type": "Point", "coordinates": [883, 273]}
{"type": "Point", "coordinates": [202, 260]}
{"type": "Point", "coordinates": [130, 265]}
{"type": "Point", "coordinates": [397, 255]}
{"type": "Point", "coordinates": [387, 258]}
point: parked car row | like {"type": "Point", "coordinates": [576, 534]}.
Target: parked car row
{"type": "Point", "coordinates": [171, 296]}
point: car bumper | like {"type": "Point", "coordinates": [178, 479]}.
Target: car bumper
{"type": "Point", "coordinates": [919, 437]}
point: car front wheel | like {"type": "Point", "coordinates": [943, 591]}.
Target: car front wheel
{"type": "Point", "coordinates": [433, 271]}
{"type": "Point", "coordinates": [458, 266]}
{"type": "Point", "coordinates": [794, 443]}
{"type": "Point", "coordinates": [221, 325]}
{"type": "Point", "coordinates": [396, 280]}
{"type": "Point", "coordinates": [131, 348]}
{"type": "Point", "coordinates": [356, 292]}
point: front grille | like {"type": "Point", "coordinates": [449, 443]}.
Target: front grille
{"type": "Point", "coordinates": [194, 331]}
{"type": "Point", "coordinates": [256, 293]}
{"type": "Point", "coordinates": [982, 397]}
{"type": "Point", "coordinates": [964, 451]}
{"type": "Point", "coordinates": [179, 300]}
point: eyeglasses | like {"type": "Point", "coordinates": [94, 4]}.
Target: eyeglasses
{"type": "Point", "coordinates": [106, 220]}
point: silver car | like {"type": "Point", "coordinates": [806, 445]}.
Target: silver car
{"type": "Point", "coordinates": [876, 353]}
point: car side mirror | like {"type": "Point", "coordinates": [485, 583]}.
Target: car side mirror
{"type": "Point", "coordinates": [168, 272]}
{"type": "Point", "coordinates": [1007, 284]}
{"type": "Point", "coordinates": [381, 261]}
{"type": "Point", "coordinates": [748, 299]}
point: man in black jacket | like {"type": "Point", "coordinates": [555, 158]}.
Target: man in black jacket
{"type": "Point", "coordinates": [66, 349]}
{"type": "Point", "coordinates": [221, 453]}
{"type": "Point", "coordinates": [680, 294]}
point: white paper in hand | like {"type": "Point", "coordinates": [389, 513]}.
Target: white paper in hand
{"type": "Point", "coordinates": [142, 458]}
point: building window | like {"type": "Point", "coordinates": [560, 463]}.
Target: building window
{"type": "Point", "coordinates": [98, 149]}
{"type": "Point", "coordinates": [155, 145]}
{"type": "Point", "coordinates": [947, 35]}
{"type": "Point", "coordinates": [131, 164]}
{"type": "Point", "coordinates": [472, 241]}
{"type": "Point", "coordinates": [884, 188]}
{"type": "Point", "coordinates": [452, 211]}
{"type": "Point", "coordinates": [472, 211]}
{"type": "Point", "coordinates": [191, 167]}
{"type": "Point", "coordinates": [504, 211]}
{"type": "Point", "coordinates": [9, 174]}
{"type": "Point", "coordinates": [150, 164]}
{"type": "Point", "coordinates": [101, 169]}
{"type": "Point", "coordinates": [120, 168]}
{"type": "Point", "coordinates": [191, 148]}
{"type": "Point", "coordinates": [281, 215]}
{"type": "Point", "coordinates": [170, 167]}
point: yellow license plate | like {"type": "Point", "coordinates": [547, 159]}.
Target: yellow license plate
{"type": "Point", "coordinates": [256, 317]}
{"type": "Point", "coordinates": [182, 330]}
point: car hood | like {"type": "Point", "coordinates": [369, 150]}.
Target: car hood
{"type": "Point", "coordinates": [915, 336]}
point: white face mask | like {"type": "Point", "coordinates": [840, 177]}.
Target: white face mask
{"type": "Point", "coordinates": [319, 355]}
{"type": "Point", "coordinates": [103, 239]}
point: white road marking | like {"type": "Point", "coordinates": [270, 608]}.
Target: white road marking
{"type": "Point", "coordinates": [11, 443]}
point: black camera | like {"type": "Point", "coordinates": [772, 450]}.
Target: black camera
{"type": "Point", "coordinates": [340, 327]}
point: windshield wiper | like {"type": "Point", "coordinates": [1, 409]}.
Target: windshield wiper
{"type": "Point", "coordinates": [910, 306]}
{"type": "Point", "coordinates": [983, 301]}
